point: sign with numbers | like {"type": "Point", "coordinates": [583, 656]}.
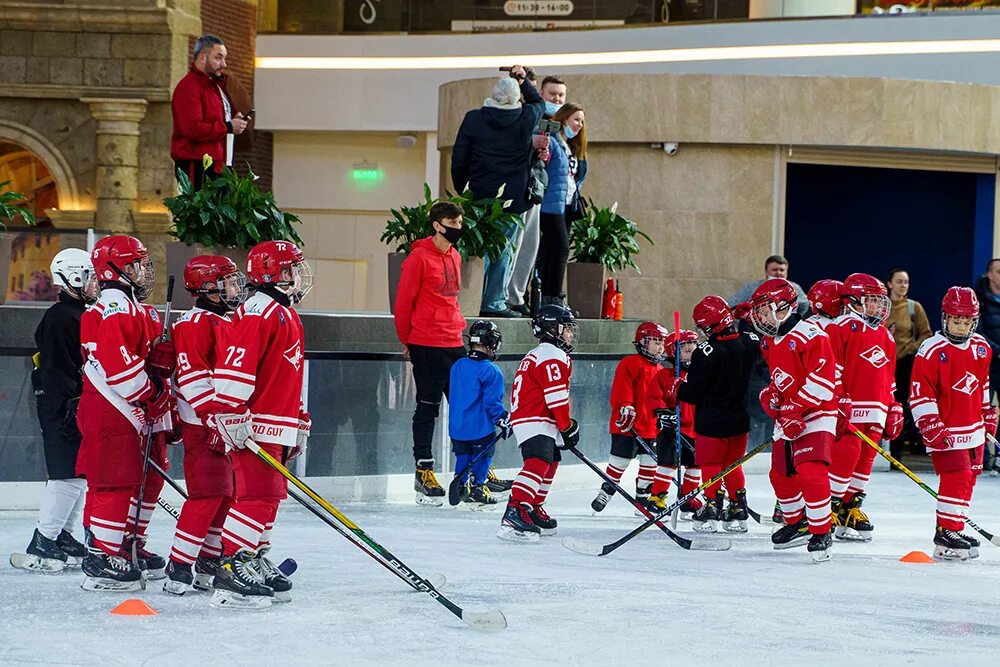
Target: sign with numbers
{"type": "Point", "coordinates": [538, 8]}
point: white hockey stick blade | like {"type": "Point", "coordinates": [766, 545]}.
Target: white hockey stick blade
{"type": "Point", "coordinates": [485, 620]}
{"type": "Point", "coordinates": [436, 580]}
{"type": "Point", "coordinates": [710, 544]}
{"type": "Point", "coordinates": [582, 547]}
{"type": "Point", "coordinates": [673, 519]}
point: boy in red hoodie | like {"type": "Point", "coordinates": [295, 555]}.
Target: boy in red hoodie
{"type": "Point", "coordinates": [429, 324]}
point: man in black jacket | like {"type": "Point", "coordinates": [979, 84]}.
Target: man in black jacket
{"type": "Point", "coordinates": [988, 292]}
{"type": "Point", "coordinates": [58, 383]}
{"type": "Point", "coordinates": [491, 152]}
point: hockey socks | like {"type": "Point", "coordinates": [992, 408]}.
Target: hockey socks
{"type": "Point", "coordinates": [107, 515]}
{"type": "Point", "coordinates": [543, 488]}
{"type": "Point", "coordinates": [198, 516]}
{"type": "Point", "coordinates": [805, 494]}
{"type": "Point", "coordinates": [528, 481]}
{"type": "Point", "coordinates": [245, 524]}
{"type": "Point", "coordinates": [954, 494]}
{"type": "Point", "coordinates": [150, 494]}
{"type": "Point", "coordinates": [617, 465]}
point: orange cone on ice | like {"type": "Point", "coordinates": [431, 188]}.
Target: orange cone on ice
{"type": "Point", "coordinates": [916, 557]}
{"type": "Point", "coordinates": [134, 607]}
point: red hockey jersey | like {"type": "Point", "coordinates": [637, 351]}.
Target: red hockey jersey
{"type": "Point", "coordinates": [866, 360]}
{"type": "Point", "coordinates": [953, 382]}
{"type": "Point", "coordinates": [116, 334]}
{"type": "Point", "coordinates": [539, 395]}
{"type": "Point", "coordinates": [198, 335]}
{"type": "Point", "coordinates": [664, 379]}
{"type": "Point", "coordinates": [802, 370]}
{"type": "Point", "coordinates": [636, 384]}
{"type": "Point", "coordinates": [261, 367]}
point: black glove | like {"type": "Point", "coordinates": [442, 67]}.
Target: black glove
{"type": "Point", "coordinates": [68, 429]}
{"type": "Point", "coordinates": [506, 430]}
{"type": "Point", "coordinates": [571, 436]}
{"type": "Point", "coordinates": [666, 418]}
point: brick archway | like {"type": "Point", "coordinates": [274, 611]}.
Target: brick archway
{"type": "Point", "coordinates": [46, 151]}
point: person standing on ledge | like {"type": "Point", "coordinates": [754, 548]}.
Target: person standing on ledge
{"type": "Point", "coordinates": [429, 324]}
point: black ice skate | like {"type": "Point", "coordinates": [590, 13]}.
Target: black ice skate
{"type": "Point", "coordinates": [546, 524]}
{"type": "Point", "coordinates": [603, 496]}
{"type": "Point", "coordinates": [179, 578]}
{"type": "Point", "coordinates": [973, 544]}
{"type": "Point", "coordinates": [657, 502]}
{"type": "Point", "coordinates": [950, 545]}
{"type": "Point", "coordinates": [110, 573]}
{"type": "Point", "coordinates": [152, 564]}
{"type": "Point", "coordinates": [205, 569]}
{"type": "Point", "coordinates": [274, 578]}
{"type": "Point", "coordinates": [74, 549]}
{"type": "Point", "coordinates": [239, 585]}
{"type": "Point", "coordinates": [642, 494]}
{"type": "Point", "coordinates": [706, 519]}
{"type": "Point", "coordinates": [851, 524]}
{"type": "Point", "coordinates": [690, 508]}
{"type": "Point", "coordinates": [516, 525]}
{"type": "Point", "coordinates": [480, 497]}
{"type": "Point", "coordinates": [429, 492]}
{"type": "Point", "coordinates": [790, 536]}
{"type": "Point", "coordinates": [499, 488]}
{"type": "Point", "coordinates": [42, 555]}
{"type": "Point", "coordinates": [819, 547]}
{"type": "Point", "coordinates": [734, 520]}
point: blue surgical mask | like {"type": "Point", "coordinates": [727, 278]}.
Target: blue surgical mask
{"type": "Point", "coordinates": [551, 108]}
{"type": "Point", "coordinates": [568, 131]}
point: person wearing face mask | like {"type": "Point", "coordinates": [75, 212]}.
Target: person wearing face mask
{"type": "Point", "coordinates": [575, 132]}
{"type": "Point", "coordinates": [429, 324]}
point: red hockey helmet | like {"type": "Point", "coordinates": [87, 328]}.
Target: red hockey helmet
{"type": "Point", "coordinates": [772, 303]}
{"type": "Point", "coordinates": [686, 337]}
{"type": "Point", "coordinates": [214, 274]}
{"type": "Point", "coordinates": [268, 259]}
{"type": "Point", "coordinates": [713, 315]}
{"type": "Point", "coordinates": [825, 298]}
{"type": "Point", "coordinates": [112, 254]}
{"type": "Point", "coordinates": [646, 332]}
{"type": "Point", "coordinates": [867, 296]}
{"type": "Point", "coordinates": [959, 302]}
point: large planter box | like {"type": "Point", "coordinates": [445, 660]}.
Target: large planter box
{"type": "Point", "coordinates": [179, 254]}
{"type": "Point", "coordinates": [470, 298]}
{"type": "Point", "coordinates": [585, 288]}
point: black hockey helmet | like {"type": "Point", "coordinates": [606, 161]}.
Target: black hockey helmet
{"type": "Point", "coordinates": [487, 334]}
{"type": "Point", "coordinates": [554, 324]}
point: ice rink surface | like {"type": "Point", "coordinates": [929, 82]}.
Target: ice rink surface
{"type": "Point", "coordinates": [648, 603]}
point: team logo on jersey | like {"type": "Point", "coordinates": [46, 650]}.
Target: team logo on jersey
{"type": "Point", "coordinates": [967, 384]}
{"type": "Point", "coordinates": [981, 351]}
{"type": "Point", "coordinates": [854, 327]}
{"type": "Point", "coordinates": [791, 345]}
{"type": "Point", "coordinates": [943, 357]}
{"type": "Point", "coordinates": [281, 318]}
{"type": "Point", "coordinates": [155, 316]}
{"type": "Point", "coordinates": [781, 379]}
{"type": "Point", "coordinates": [294, 355]}
{"type": "Point", "coordinates": [875, 356]}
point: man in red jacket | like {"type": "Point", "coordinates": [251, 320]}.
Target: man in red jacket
{"type": "Point", "coordinates": [205, 121]}
{"type": "Point", "coordinates": [429, 324]}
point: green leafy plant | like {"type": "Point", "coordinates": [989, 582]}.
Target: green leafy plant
{"type": "Point", "coordinates": [228, 212]}
{"type": "Point", "coordinates": [484, 223]}
{"type": "Point", "coordinates": [604, 237]}
{"type": "Point", "coordinates": [9, 208]}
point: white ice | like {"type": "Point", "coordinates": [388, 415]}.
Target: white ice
{"type": "Point", "coordinates": [649, 603]}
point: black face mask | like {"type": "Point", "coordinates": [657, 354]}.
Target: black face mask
{"type": "Point", "coordinates": [451, 234]}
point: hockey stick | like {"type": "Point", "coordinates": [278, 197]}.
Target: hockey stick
{"type": "Point", "coordinates": [598, 550]}
{"type": "Point", "coordinates": [489, 620]}
{"type": "Point", "coordinates": [891, 459]}
{"type": "Point", "coordinates": [456, 482]}
{"type": "Point", "coordinates": [149, 448]}
{"type": "Point", "coordinates": [677, 377]}
{"type": "Point", "coordinates": [697, 544]}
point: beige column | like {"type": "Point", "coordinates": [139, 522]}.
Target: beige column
{"type": "Point", "coordinates": [117, 160]}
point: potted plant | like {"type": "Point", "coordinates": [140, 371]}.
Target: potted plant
{"type": "Point", "coordinates": [227, 216]}
{"type": "Point", "coordinates": [9, 209]}
{"type": "Point", "coordinates": [601, 241]}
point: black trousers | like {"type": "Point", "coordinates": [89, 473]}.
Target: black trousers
{"type": "Point", "coordinates": [904, 369]}
{"type": "Point", "coordinates": [553, 252]}
{"type": "Point", "coordinates": [60, 436]}
{"type": "Point", "coordinates": [431, 370]}
{"type": "Point", "coordinates": [194, 171]}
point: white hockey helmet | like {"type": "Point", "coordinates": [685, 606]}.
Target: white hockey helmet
{"type": "Point", "coordinates": [73, 271]}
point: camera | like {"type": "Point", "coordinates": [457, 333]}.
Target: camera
{"type": "Point", "coordinates": [671, 147]}
{"type": "Point", "coordinates": [549, 126]}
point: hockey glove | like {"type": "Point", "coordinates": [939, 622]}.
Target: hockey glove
{"type": "Point", "coordinates": [301, 436]}
{"type": "Point", "coordinates": [790, 421]}
{"type": "Point", "coordinates": [570, 436]}
{"type": "Point", "coordinates": [234, 429]}
{"type": "Point", "coordinates": [893, 422]}
{"type": "Point", "coordinates": [770, 400]}
{"type": "Point", "coordinates": [174, 435]}
{"type": "Point", "coordinates": [666, 419]}
{"type": "Point", "coordinates": [626, 418]}
{"type": "Point", "coordinates": [844, 408]}
{"type": "Point", "coordinates": [506, 430]}
{"type": "Point", "coordinates": [157, 401]}
{"type": "Point", "coordinates": [990, 420]}
{"type": "Point", "coordinates": [741, 311]}
{"type": "Point", "coordinates": [162, 358]}
{"type": "Point", "coordinates": [670, 391]}
{"type": "Point", "coordinates": [934, 432]}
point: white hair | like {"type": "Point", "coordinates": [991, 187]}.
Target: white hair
{"type": "Point", "coordinates": [507, 92]}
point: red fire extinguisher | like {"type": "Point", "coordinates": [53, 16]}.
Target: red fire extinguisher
{"type": "Point", "coordinates": [608, 302]}
{"type": "Point", "coordinates": [619, 299]}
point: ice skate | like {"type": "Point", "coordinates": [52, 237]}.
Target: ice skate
{"type": "Point", "coordinates": [541, 519]}
{"type": "Point", "coordinates": [690, 508]}
{"type": "Point", "coordinates": [429, 492]}
{"type": "Point", "coordinates": [114, 574]}
{"type": "Point", "coordinates": [819, 547]}
{"type": "Point", "coordinates": [74, 549]}
{"type": "Point", "coordinates": [499, 488]}
{"type": "Point", "coordinates": [706, 519]}
{"type": "Point", "coordinates": [179, 578]}
{"type": "Point", "coordinates": [974, 544]}
{"type": "Point", "coordinates": [239, 585]}
{"type": "Point", "coordinates": [642, 497]}
{"type": "Point", "coordinates": [153, 565]}
{"type": "Point", "coordinates": [603, 496]}
{"type": "Point", "coordinates": [205, 569]}
{"type": "Point", "coordinates": [734, 520]}
{"type": "Point", "coordinates": [657, 502]}
{"type": "Point", "coordinates": [949, 545]}
{"type": "Point", "coordinates": [851, 524]}
{"type": "Point", "coordinates": [274, 578]}
{"type": "Point", "coordinates": [516, 525]}
{"type": "Point", "coordinates": [42, 555]}
{"type": "Point", "coordinates": [480, 498]}
{"type": "Point", "coordinates": [791, 536]}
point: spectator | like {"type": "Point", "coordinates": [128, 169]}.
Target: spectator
{"type": "Point", "coordinates": [988, 292]}
{"type": "Point", "coordinates": [553, 92]}
{"type": "Point", "coordinates": [492, 151]}
{"type": "Point", "coordinates": [429, 324]}
{"type": "Point", "coordinates": [553, 244]}
{"type": "Point", "coordinates": [205, 122]}
{"type": "Point", "coordinates": [572, 118]}
{"type": "Point", "coordinates": [909, 328]}
{"type": "Point", "coordinates": [775, 266]}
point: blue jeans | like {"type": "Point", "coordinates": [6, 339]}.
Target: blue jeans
{"type": "Point", "coordinates": [497, 276]}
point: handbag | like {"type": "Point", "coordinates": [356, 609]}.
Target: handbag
{"type": "Point", "coordinates": [538, 180]}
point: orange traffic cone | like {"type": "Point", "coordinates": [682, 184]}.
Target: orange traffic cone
{"type": "Point", "coordinates": [134, 607]}
{"type": "Point", "coordinates": [918, 557]}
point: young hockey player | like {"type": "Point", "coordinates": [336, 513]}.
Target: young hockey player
{"type": "Point", "coordinates": [200, 336]}
{"type": "Point", "coordinates": [666, 438]}
{"type": "Point", "coordinates": [950, 399]}
{"type": "Point", "coordinates": [540, 417]}
{"type": "Point", "coordinates": [475, 411]}
{"type": "Point", "coordinates": [57, 383]}
{"type": "Point", "coordinates": [125, 396]}
{"type": "Point", "coordinates": [265, 342]}
{"type": "Point", "coordinates": [866, 361]}
{"type": "Point", "coordinates": [825, 302]}
{"type": "Point", "coordinates": [635, 395]}
{"type": "Point", "coordinates": [716, 385]}
{"type": "Point", "coordinates": [800, 399]}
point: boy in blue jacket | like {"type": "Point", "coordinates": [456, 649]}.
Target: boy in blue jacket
{"type": "Point", "coordinates": [475, 410]}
